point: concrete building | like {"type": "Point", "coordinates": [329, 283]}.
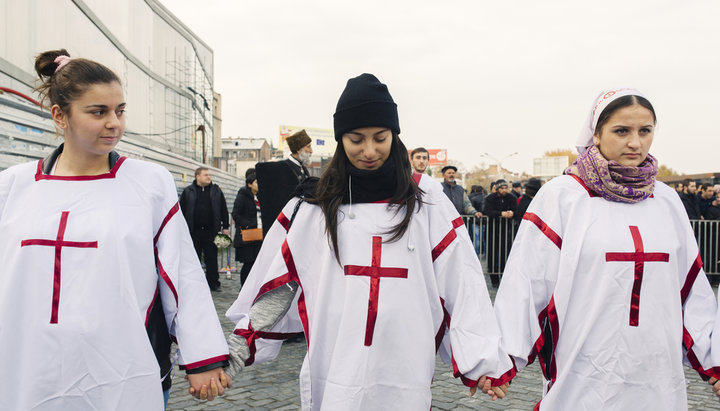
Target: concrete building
{"type": "Point", "coordinates": [239, 154]}
{"type": "Point", "coordinates": [174, 113]}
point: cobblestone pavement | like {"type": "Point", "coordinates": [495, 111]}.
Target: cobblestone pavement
{"type": "Point", "coordinates": [274, 385]}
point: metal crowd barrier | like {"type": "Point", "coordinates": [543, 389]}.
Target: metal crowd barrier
{"type": "Point", "coordinates": [493, 239]}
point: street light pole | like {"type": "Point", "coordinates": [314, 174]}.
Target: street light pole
{"type": "Point", "coordinates": [499, 162]}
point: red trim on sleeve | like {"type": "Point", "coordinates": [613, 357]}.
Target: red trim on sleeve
{"type": "Point", "coordinates": [164, 275]}
{"type": "Point", "coordinates": [539, 344]}
{"type": "Point", "coordinates": [582, 183]}
{"type": "Point", "coordinates": [448, 239]}
{"type": "Point", "coordinates": [539, 223]}
{"type": "Point", "coordinates": [705, 374]}
{"type": "Point", "coordinates": [251, 335]}
{"type": "Point", "coordinates": [273, 284]}
{"type": "Point", "coordinates": [167, 218]}
{"type": "Point", "coordinates": [110, 174]}
{"type": "Point", "coordinates": [152, 303]}
{"type": "Point", "coordinates": [555, 328]}
{"type": "Point", "coordinates": [203, 363]}
{"type": "Point", "coordinates": [506, 377]}
{"type": "Point", "coordinates": [690, 278]}
{"type": "Point", "coordinates": [292, 271]}
{"type": "Point", "coordinates": [444, 324]}
{"type": "Point", "coordinates": [283, 220]}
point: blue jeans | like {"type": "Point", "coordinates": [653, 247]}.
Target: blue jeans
{"type": "Point", "coordinates": [166, 396]}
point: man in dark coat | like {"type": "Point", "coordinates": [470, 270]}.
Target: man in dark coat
{"type": "Point", "coordinates": [531, 188]}
{"type": "Point", "coordinates": [204, 208]}
{"type": "Point", "coordinates": [499, 208]}
{"type": "Point", "coordinates": [690, 201]}
{"type": "Point", "coordinates": [245, 215]}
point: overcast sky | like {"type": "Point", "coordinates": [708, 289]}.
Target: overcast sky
{"type": "Point", "coordinates": [470, 76]}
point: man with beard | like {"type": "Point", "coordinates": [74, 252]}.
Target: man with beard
{"type": "Point", "coordinates": [419, 159]}
{"type": "Point", "coordinates": [500, 208]}
{"type": "Point", "coordinates": [457, 195]}
{"type": "Point", "coordinates": [300, 145]}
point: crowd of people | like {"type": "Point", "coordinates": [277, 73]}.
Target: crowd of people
{"type": "Point", "coordinates": [371, 261]}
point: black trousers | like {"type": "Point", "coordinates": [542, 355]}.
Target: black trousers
{"type": "Point", "coordinates": [206, 248]}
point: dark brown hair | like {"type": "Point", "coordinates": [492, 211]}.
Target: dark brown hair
{"type": "Point", "coordinates": [200, 170]}
{"type": "Point", "coordinates": [333, 183]}
{"type": "Point", "coordinates": [621, 102]}
{"type": "Point", "coordinates": [418, 150]}
{"type": "Point", "coordinates": [71, 81]}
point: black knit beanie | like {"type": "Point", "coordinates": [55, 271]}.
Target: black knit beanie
{"type": "Point", "coordinates": [365, 102]}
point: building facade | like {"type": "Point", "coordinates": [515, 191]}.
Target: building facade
{"type": "Point", "coordinates": [174, 114]}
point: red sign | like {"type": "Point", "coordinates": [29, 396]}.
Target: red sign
{"type": "Point", "coordinates": [438, 156]}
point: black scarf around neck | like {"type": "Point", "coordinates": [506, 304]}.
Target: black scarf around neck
{"type": "Point", "coordinates": [369, 186]}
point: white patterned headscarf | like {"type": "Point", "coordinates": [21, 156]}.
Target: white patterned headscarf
{"type": "Point", "coordinates": [585, 139]}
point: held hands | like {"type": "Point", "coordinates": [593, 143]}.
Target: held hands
{"type": "Point", "coordinates": [507, 214]}
{"type": "Point", "coordinates": [209, 384]}
{"type": "Point", "coordinates": [485, 385]}
{"type": "Point", "coordinates": [226, 231]}
{"type": "Point", "coordinates": [715, 385]}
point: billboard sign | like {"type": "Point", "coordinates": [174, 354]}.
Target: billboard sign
{"type": "Point", "coordinates": [438, 156]}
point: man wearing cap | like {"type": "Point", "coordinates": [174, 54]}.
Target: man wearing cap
{"type": "Point", "coordinates": [500, 208]}
{"type": "Point", "coordinates": [300, 152]}
{"type": "Point", "coordinates": [457, 195]}
{"type": "Point", "coordinates": [517, 190]}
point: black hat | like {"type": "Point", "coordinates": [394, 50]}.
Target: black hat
{"type": "Point", "coordinates": [365, 102]}
{"type": "Point", "coordinates": [532, 186]}
{"type": "Point", "coordinates": [500, 182]}
{"type": "Point", "coordinates": [517, 184]}
{"type": "Point", "coordinates": [449, 167]}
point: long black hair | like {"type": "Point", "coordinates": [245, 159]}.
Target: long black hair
{"type": "Point", "coordinates": [332, 186]}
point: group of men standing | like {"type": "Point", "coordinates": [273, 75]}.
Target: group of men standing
{"type": "Point", "coordinates": [701, 203]}
{"type": "Point", "coordinates": [504, 208]}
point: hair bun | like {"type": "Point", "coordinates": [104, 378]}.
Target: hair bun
{"type": "Point", "coordinates": [45, 64]}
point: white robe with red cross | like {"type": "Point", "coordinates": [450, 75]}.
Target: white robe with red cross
{"type": "Point", "coordinates": [375, 323]}
{"type": "Point", "coordinates": [622, 291]}
{"type": "Point", "coordinates": [78, 279]}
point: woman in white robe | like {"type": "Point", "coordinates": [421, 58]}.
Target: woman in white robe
{"type": "Point", "coordinates": [604, 283]}
{"type": "Point", "coordinates": [377, 269]}
{"type": "Point", "coordinates": [88, 240]}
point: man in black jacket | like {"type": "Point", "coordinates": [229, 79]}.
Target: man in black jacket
{"type": "Point", "coordinates": [499, 208]}
{"type": "Point", "coordinates": [690, 201]}
{"type": "Point", "coordinates": [204, 208]}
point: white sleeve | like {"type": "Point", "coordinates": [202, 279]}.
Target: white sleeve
{"type": "Point", "coordinates": [699, 312]}
{"type": "Point", "coordinates": [269, 272]}
{"type": "Point", "coordinates": [523, 301]}
{"type": "Point", "coordinates": [187, 304]}
{"type": "Point", "coordinates": [472, 341]}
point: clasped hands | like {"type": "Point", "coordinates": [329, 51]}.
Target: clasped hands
{"type": "Point", "coordinates": [485, 385]}
{"type": "Point", "coordinates": [209, 384]}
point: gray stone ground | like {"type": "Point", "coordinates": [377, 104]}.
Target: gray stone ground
{"type": "Point", "coordinates": [274, 385]}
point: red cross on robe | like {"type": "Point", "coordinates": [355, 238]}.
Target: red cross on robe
{"type": "Point", "coordinates": [375, 272]}
{"type": "Point", "coordinates": [639, 257]}
{"type": "Point", "coordinates": [58, 243]}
